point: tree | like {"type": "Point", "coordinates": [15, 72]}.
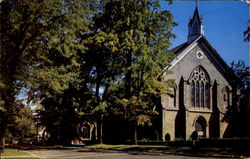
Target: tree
{"type": "Point", "coordinates": [143, 30]}
{"type": "Point", "coordinates": [247, 33]}
{"type": "Point", "coordinates": [59, 117]}
{"type": "Point", "coordinates": [35, 35]}
{"type": "Point", "coordinates": [103, 57]}
{"type": "Point", "coordinates": [22, 127]}
{"type": "Point", "coordinates": [241, 92]}
{"type": "Point", "coordinates": [77, 69]}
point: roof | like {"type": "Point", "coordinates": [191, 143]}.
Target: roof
{"type": "Point", "coordinates": [178, 49]}
{"type": "Point", "coordinates": [181, 50]}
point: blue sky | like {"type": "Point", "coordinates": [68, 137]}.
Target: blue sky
{"type": "Point", "coordinates": [224, 24]}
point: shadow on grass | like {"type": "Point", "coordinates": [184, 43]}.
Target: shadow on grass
{"type": "Point", "coordinates": [215, 151]}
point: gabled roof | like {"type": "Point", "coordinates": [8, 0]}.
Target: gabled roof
{"type": "Point", "coordinates": [179, 48]}
{"type": "Point", "coordinates": [182, 50]}
{"type": "Point", "coordinates": [216, 55]}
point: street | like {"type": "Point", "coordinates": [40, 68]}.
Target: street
{"type": "Point", "coordinates": [95, 154]}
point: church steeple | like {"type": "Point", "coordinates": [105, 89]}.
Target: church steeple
{"type": "Point", "coordinates": [195, 26]}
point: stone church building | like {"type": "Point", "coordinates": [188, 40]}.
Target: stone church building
{"type": "Point", "coordinates": [201, 96]}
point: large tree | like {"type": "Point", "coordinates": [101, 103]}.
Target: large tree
{"type": "Point", "coordinates": [143, 30]}
{"type": "Point", "coordinates": [103, 57]}
{"type": "Point", "coordinates": [38, 48]}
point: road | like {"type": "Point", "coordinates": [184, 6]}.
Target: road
{"type": "Point", "coordinates": [91, 154]}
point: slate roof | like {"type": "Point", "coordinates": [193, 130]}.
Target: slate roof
{"type": "Point", "coordinates": [178, 49]}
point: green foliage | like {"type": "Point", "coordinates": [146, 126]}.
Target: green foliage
{"type": "Point", "coordinates": [39, 45]}
{"type": "Point", "coordinates": [143, 30]}
{"type": "Point", "coordinates": [83, 60]}
{"type": "Point", "coordinates": [242, 76]}
{"type": "Point", "coordinates": [247, 33]}
{"type": "Point", "coordinates": [239, 113]}
{"type": "Point", "coordinates": [22, 127]}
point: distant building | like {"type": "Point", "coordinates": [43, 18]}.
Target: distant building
{"type": "Point", "coordinates": [202, 95]}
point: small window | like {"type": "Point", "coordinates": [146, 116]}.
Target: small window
{"type": "Point", "coordinates": [226, 96]}
{"type": "Point", "coordinates": [199, 54]}
{"type": "Point", "coordinates": [172, 95]}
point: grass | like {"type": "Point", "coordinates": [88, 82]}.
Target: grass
{"type": "Point", "coordinates": [163, 148]}
{"type": "Point", "coordinates": [9, 152]}
{"type": "Point", "coordinates": [128, 147]}
{"type": "Point", "coordinates": [14, 152]}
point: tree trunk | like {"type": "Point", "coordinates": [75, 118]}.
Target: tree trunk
{"type": "Point", "coordinates": [8, 99]}
{"type": "Point", "coordinates": [135, 135]}
{"type": "Point", "coordinates": [128, 75]}
{"type": "Point", "coordinates": [2, 142]}
{"type": "Point", "coordinates": [3, 125]}
{"type": "Point", "coordinates": [99, 122]}
{"type": "Point", "coordinates": [99, 131]}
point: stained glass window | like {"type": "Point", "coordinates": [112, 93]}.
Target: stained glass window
{"type": "Point", "coordinates": [200, 88]}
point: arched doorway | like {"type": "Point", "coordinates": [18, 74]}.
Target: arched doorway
{"type": "Point", "coordinates": [200, 126]}
{"type": "Point", "coordinates": [86, 131]}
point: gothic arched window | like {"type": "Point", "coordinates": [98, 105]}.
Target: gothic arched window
{"type": "Point", "coordinates": [226, 92]}
{"type": "Point", "coordinates": [200, 92]}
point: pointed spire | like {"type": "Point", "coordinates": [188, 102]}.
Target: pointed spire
{"type": "Point", "coordinates": [195, 25]}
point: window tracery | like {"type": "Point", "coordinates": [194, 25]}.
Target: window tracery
{"type": "Point", "coordinates": [200, 92]}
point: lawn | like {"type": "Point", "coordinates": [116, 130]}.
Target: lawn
{"type": "Point", "coordinates": [9, 153]}
{"type": "Point", "coordinates": [198, 151]}
{"type": "Point", "coordinates": [128, 147]}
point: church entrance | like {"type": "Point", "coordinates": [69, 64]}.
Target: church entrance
{"type": "Point", "coordinates": [200, 126]}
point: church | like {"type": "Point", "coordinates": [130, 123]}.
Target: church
{"type": "Point", "coordinates": [201, 96]}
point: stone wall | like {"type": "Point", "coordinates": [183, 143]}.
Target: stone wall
{"type": "Point", "coordinates": [218, 103]}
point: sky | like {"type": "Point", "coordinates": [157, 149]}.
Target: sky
{"type": "Point", "coordinates": [224, 24]}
